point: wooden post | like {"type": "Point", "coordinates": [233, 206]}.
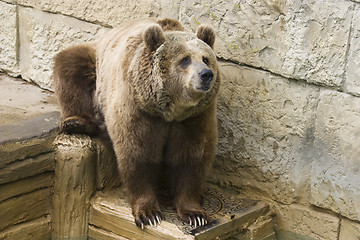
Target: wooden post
{"type": "Point", "coordinates": [74, 185]}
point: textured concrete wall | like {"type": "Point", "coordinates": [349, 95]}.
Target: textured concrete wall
{"type": "Point", "coordinates": [289, 114]}
{"type": "Point", "coordinates": [8, 38]}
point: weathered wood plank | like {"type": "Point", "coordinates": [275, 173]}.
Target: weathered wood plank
{"type": "Point", "coordinates": [229, 216]}
{"type": "Point", "coordinates": [14, 151]}
{"type": "Point", "coordinates": [73, 186]}
{"type": "Point", "coordinates": [120, 221]}
{"type": "Point", "coordinates": [228, 226]}
{"type": "Point", "coordinates": [263, 228]}
{"type": "Point", "coordinates": [26, 185]}
{"type": "Point", "coordinates": [27, 138]}
{"type": "Point", "coordinates": [25, 207]}
{"type": "Point", "coordinates": [27, 167]}
{"type": "Point", "coordinates": [38, 229]}
{"type": "Point", "coordinates": [101, 234]}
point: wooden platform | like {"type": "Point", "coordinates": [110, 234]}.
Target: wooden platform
{"type": "Point", "coordinates": [231, 217]}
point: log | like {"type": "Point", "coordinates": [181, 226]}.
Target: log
{"type": "Point", "coordinates": [36, 229]}
{"type": "Point", "coordinates": [27, 167]}
{"type": "Point", "coordinates": [101, 234]}
{"type": "Point", "coordinates": [25, 207]}
{"type": "Point", "coordinates": [26, 185]}
{"type": "Point", "coordinates": [74, 184]}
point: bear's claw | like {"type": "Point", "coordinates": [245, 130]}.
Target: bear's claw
{"type": "Point", "coordinates": [158, 220]}
{"type": "Point", "coordinates": [197, 221]}
{"type": "Point", "coordinates": [152, 219]}
{"type": "Point", "coordinates": [194, 217]}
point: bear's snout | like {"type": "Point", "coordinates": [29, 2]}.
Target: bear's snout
{"type": "Point", "coordinates": [206, 76]}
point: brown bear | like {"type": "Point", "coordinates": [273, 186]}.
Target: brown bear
{"type": "Point", "coordinates": [150, 87]}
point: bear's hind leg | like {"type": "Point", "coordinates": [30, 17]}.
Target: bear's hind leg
{"type": "Point", "coordinates": [75, 82]}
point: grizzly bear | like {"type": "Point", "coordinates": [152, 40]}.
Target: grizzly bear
{"type": "Point", "coordinates": [150, 87]}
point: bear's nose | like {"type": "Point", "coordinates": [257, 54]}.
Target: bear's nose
{"type": "Point", "coordinates": [206, 75]}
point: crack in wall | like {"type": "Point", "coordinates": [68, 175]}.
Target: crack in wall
{"type": "Point", "coordinates": [347, 51]}
{"type": "Point", "coordinates": [300, 80]}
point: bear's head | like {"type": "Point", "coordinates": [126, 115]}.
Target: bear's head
{"type": "Point", "coordinates": [184, 69]}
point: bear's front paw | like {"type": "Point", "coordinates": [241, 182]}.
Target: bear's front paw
{"type": "Point", "coordinates": [194, 217]}
{"type": "Point", "coordinates": [147, 217]}
{"type": "Point", "coordinates": [77, 124]}
{"type": "Point", "coordinates": [69, 125]}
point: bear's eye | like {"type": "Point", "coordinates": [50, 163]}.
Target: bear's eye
{"type": "Point", "coordinates": [205, 60]}
{"type": "Point", "coordinates": [185, 62]}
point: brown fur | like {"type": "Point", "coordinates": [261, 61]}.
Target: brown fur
{"type": "Point", "coordinates": [155, 104]}
{"type": "Point", "coordinates": [75, 68]}
{"type": "Point", "coordinates": [168, 24]}
{"type": "Point", "coordinates": [206, 34]}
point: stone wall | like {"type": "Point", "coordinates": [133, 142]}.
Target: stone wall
{"type": "Point", "coordinates": [289, 107]}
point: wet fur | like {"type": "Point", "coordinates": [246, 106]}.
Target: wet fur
{"type": "Point", "coordinates": [149, 149]}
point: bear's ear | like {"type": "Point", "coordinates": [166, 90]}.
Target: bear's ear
{"type": "Point", "coordinates": [153, 37]}
{"type": "Point", "coordinates": [207, 34]}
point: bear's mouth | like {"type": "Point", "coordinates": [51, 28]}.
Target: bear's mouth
{"type": "Point", "coordinates": [203, 88]}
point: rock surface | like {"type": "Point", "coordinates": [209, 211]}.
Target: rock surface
{"type": "Point", "coordinates": [42, 35]}
{"type": "Point", "coordinates": [8, 39]}
{"type": "Point", "coordinates": [307, 222]}
{"type": "Point", "coordinates": [265, 125]}
{"type": "Point", "coordinates": [336, 171]}
{"type": "Point", "coordinates": [352, 84]}
{"type": "Point", "coordinates": [349, 230]}
{"type": "Point", "coordinates": [113, 13]}
{"type": "Point", "coordinates": [302, 40]}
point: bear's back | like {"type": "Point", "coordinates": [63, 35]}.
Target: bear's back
{"type": "Point", "coordinates": [114, 52]}
{"type": "Point", "coordinates": [129, 34]}
{"type": "Point", "coordinates": [114, 43]}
